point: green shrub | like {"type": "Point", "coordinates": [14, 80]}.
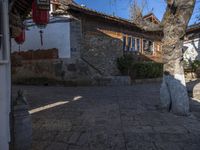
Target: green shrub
{"type": "Point", "coordinates": [195, 65]}
{"type": "Point", "coordinates": [186, 64]}
{"type": "Point", "coordinates": [142, 70]}
{"type": "Point", "coordinates": [124, 64]}
{"type": "Point", "coordinates": [139, 70]}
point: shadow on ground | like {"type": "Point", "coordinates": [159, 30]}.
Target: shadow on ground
{"type": "Point", "coordinates": [108, 118]}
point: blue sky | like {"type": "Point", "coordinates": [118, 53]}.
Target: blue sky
{"type": "Point", "coordinates": [121, 7]}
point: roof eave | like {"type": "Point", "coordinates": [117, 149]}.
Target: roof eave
{"type": "Point", "coordinates": [98, 14]}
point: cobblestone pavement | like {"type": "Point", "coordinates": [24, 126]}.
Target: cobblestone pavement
{"type": "Point", "coordinates": [108, 118]}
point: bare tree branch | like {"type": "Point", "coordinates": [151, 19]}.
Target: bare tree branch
{"type": "Point", "coordinates": [136, 10]}
{"type": "Point", "coordinates": [148, 26]}
{"type": "Point", "coordinates": [136, 13]}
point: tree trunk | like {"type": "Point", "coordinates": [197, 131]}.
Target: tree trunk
{"type": "Point", "coordinates": [173, 92]}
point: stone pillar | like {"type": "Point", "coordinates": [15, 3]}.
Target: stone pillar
{"type": "Point", "coordinates": [5, 77]}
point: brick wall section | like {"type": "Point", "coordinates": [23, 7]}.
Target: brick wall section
{"type": "Point", "coordinates": [35, 69]}
{"type": "Point", "coordinates": [54, 69]}
{"type": "Point", "coordinates": [36, 54]}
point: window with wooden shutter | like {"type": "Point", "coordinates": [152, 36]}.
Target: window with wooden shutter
{"type": "Point", "coordinates": [133, 44]}
{"type": "Point", "coordinates": [138, 45]}
{"type": "Point", "coordinates": [124, 43]}
{"type": "Point", "coordinates": [129, 44]}
{"type": "Point", "coordinates": [148, 47]}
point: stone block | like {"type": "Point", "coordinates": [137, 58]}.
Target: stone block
{"type": "Point", "coordinates": [196, 91]}
{"type": "Point", "coordinates": [120, 81]}
{"type": "Point", "coordinates": [72, 67]}
{"type": "Point", "coordinates": [193, 87]}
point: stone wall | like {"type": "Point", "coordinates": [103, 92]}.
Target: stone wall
{"type": "Point", "coordinates": [99, 48]}
{"type": "Point", "coordinates": [102, 43]}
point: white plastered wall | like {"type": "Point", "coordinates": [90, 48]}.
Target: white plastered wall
{"type": "Point", "coordinates": [55, 35]}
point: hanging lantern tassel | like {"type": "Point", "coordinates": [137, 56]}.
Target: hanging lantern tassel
{"type": "Point", "coordinates": [20, 39]}
{"type": "Point", "coordinates": [19, 48]}
{"type": "Point", "coordinates": [41, 37]}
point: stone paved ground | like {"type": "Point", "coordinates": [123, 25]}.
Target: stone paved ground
{"type": "Point", "coordinates": [108, 118]}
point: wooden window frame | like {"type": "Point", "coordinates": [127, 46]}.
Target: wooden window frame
{"type": "Point", "coordinates": [138, 41]}
{"type": "Point", "coordinates": [136, 44]}
{"type": "Point", "coordinates": [128, 46]}
{"type": "Point", "coordinates": [134, 50]}
{"type": "Point", "coordinates": [129, 43]}
{"type": "Point", "coordinates": [153, 46]}
{"type": "Point", "coordinates": [124, 40]}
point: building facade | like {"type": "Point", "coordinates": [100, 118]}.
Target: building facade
{"type": "Point", "coordinates": [88, 44]}
{"type": "Point", "coordinates": [105, 38]}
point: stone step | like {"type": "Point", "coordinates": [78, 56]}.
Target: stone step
{"type": "Point", "coordinates": [113, 81]}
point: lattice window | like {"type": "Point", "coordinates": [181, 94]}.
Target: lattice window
{"type": "Point", "coordinates": [148, 47]}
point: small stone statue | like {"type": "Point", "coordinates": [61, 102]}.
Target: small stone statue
{"type": "Point", "coordinates": [22, 123]}
{"type": "Point", "coordinates": [20, 100]}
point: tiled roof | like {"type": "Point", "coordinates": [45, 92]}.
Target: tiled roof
{"type": "Point", "coordinates": [84, 10]}
{"type": "Point", "coordinates": [151, 14]}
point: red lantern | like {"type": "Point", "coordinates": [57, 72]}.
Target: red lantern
{"type": "Point", "coordinates": [40, 15]}
{"type": "Point", "coordinates": [21, 38]}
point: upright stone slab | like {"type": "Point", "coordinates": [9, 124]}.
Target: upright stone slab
{"type": "Point", "coordinates": [196, 91]}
